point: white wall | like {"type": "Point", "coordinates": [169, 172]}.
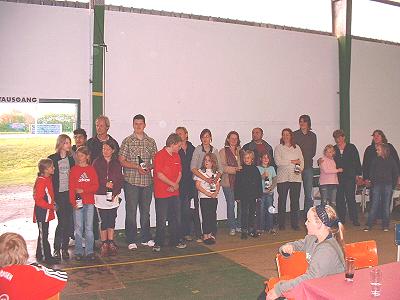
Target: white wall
{"type": "Point", "coordinates": [175, 71]}
{"type": "Point", "coordinates": [219, 76]}
{"type": "Point", "coordinates": [44, 53]}
{"type": "Point", "coordinates": [374, 92]}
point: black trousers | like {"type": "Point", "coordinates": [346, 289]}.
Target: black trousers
{"type": "Point", "coordinates": [294, 191]}
{"type": "Point", "coordinates": [346, 195]}
{"type": "Point", "coordinates": [208, 208]}
{"type": "Point", "coordinates": [247, 211]}
{"type": "Point", "coordinates": [64, 215]}
{"type": "Point", "coordinates": [167, 209]}
{"type": "Point", "coordinates": [43, 247]}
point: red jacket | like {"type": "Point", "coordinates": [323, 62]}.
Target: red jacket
{"type": "Point", "coordinates": [84, 178]}
{"type": "Point", "coordinates": [34, 282]}
{"type": "Point", "coordinates": [43, 195]}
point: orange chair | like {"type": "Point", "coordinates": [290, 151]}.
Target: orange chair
{"type": "Point", "coordinates": [365, 253]}
{"type": "Point", "coordinates": [289, 267]}
{"type": "Point", "coordinates": [55, 297]}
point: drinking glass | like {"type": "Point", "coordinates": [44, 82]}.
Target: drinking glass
{"type": "Point", "coordinates": [375, 281]}
{"type": "Point", "coordinates": [349, 274]}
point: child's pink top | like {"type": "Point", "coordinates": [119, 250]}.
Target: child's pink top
{"type": "Point", "coordinates": [328, 172]}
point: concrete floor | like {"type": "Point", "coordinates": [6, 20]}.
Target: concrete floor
{"type": "Point", "coordinates": [113, 278]}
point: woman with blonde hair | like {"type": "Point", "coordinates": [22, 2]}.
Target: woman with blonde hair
{"type": "Point", "coordinates": [323, 246]}
{"type": "Point", "coordinates": [63, 162]}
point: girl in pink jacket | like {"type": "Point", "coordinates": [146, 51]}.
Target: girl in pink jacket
{"type": "Point", "coordinates": [328, 179]}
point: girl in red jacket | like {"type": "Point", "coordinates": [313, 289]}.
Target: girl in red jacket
{"type": "Point", "coordinates": [44, 208]}
{"type": "Point", "coordinates": [83, 184]}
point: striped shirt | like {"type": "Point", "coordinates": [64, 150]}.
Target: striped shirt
{"type": "Point", "coordinates": [131, 148]}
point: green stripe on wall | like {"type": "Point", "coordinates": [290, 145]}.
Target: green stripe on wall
{"type": "Point", "coordinates": [98, 55]}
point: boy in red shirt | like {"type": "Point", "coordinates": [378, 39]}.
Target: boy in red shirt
{"type": "Point", "coordinates": [167, 174]}
{"type": "Point", "coordinates": [19, 281]}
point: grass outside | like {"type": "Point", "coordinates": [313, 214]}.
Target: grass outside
{"type": "Point", "coordinates": [19, 158]}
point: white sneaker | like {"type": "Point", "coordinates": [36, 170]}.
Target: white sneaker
{"type": "Point", "coordinates": [232, 232]}
{"type": "Point", "coordinates": [149, 243]}
{"type": "Point", "coordinates": [132, 246]}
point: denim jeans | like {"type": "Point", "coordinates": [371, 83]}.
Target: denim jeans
{"type": "Point", "coordinates": [233, 223]}
{"type": "Point", "coordinates": [84, 219]}
{"type": "Point", "coordinates": [328, 193]}
{"type": "Point", "coordinates": [167, 209]}
{"type": "Point", "coordinates": [381, 194]}
{"type": "Point", "coordinates": [137, 196]}
{"type": "Point", "coordinates": [307, 176]}
{"type": "Point", "coordinates": [266, 218]}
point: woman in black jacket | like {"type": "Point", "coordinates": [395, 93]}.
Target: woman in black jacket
{"type": "Point", "coordinates": [347, 158]}
{"type": "Point", "coordinates": [248, 188]}
{"type": "Point", "coordinates": [63, 162]}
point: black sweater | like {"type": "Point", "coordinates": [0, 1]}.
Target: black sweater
{"type": "Point", "coordinates": [384, 171]}
{"type": "Point", "coordinates": [56, 177]}
{"type": "Point", "coordinates": [349, 161]}
{"type": "Point", "coordinates": [370, 155]}
{"type": "Point", "coordinates": [248, 183]}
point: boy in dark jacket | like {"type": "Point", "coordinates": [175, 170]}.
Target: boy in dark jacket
{"type": "Point", "coordinates": [248, 188]}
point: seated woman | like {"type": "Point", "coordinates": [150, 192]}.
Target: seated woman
{"type": "Point", "coordinates": [323, 247]}
{"type": "Point", "coordinates": [21, 281]}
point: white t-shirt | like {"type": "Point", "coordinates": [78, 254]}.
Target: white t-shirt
{"type": "Point", "coordinates": [100, 201]}
{"type": "Point", "coordinates": [205, 185]}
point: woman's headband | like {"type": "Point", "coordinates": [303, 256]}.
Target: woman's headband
{"type": "Point", "coordinates": [323, 216]}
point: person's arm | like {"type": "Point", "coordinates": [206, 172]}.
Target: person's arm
{"type": "Point", "coordinates": [395, 172]}
{"type": "Point", "coordinates": [357, 162]}
{"type": "Point", "coordinates": [301, 158]}
{"type": "Point", "coordinates": [46, 282]}
{"type": "Point", "coordinates": [328, 168]}
{"type": "Point", "coordinates": [72, 188]}
{"type": "Point", "coordinates": [295, 246]}
{"type": "Point", "coordinates": [153, 152]}
{"type": "Point", "coordinates": [195, 164]}
{"type": "Point", "coordinates": [119, 178]}
{"type": "Point", "coordinates": [395, 156]}
{"type": "Point", "coordinates": [225, 168]}
{"type": "Point", "coordinates": [39, 194]}
{"type": "Point", "coordinates": [122, 157]}
{"type": "Point", "coordinates": [203, 190]}
{"type": "Point", "coordinates": [319, 266]}
{"type": "Point", "coordinates": [160, 175]}
{"type": "Point", "coordinates": [314, 145]}
{"type": "Point", "coordinates": [220, 168]}
{"type": "Point", "coordinates": [366, 164]}
{"type": "Point", "coordinates": [237, 186]}
{"type": "Point", "coordinates": [258, 179]}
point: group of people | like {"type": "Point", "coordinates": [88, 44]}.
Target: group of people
{"type": "Point", "coordinates": [82, 184]}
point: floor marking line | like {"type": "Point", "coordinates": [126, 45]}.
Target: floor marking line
{"type": "Point", "coordinates": [173, 257]}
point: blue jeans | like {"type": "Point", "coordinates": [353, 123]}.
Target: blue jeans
{"type": "Point", "coordinates": [167, 209]}
{"type": "Point", "coordinates": [307, 176]}
{"type": "Point", "coordinates": [266, 218]}
{"type": "Point", "coordinates": [381, 194]}
{"type": "Point", "coordinates": [83, 218]}
{"type": "Point", "coordinates": [137, 196]}
{"type": "Point", "coordinates": [328, 193]}
{"type": "Point", "coordinates": [233, 223]}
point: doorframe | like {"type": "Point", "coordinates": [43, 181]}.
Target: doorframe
{"type": "Point", "coordinates": [67, 101]}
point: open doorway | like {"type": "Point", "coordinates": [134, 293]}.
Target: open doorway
{"type": "Point", "coordinates": [28, 132]}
